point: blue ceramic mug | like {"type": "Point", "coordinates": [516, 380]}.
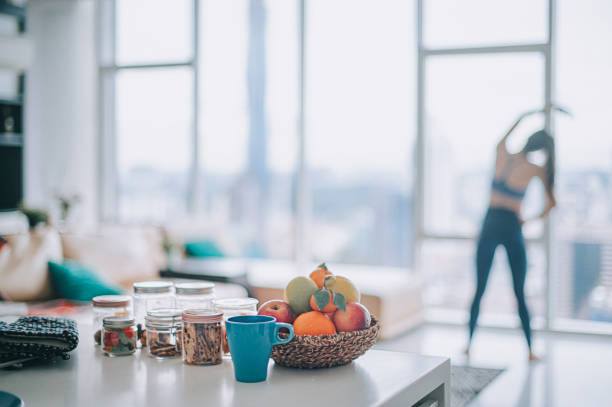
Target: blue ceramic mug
{"type": "Point", "coordinates": [250, 339]}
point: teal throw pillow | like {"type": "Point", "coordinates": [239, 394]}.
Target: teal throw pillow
{"type": "Point", "coordinates": [203, 248]}
{"type": "Point", "coordinates": [73, 281]}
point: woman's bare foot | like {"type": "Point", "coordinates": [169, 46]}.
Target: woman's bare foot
{"type": "Point", "coordinates": [533, 357]}
{"type": "Point", "coordinates": [466, 352]}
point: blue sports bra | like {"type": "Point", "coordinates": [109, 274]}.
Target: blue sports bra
{"type": "Point", "coordinates": [499, 184]}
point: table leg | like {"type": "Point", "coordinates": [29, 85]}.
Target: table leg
{"type": "Point", "coordinates": [440, 396]}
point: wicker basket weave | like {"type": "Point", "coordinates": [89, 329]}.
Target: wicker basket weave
{"type": "Point", "coordinates": [310, 352]}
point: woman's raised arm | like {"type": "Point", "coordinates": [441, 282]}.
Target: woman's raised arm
{"type": "Point", "coordinates": [502, 142]}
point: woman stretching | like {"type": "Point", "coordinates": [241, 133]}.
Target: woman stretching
{"type": "Point", "coordinates": [502, 223]}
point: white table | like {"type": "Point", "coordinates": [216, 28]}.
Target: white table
{"type": "Point", "coordinates": [91, 379]}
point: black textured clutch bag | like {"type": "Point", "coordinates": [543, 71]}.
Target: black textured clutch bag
{"type": "Point", "coordinates": [37, 338]}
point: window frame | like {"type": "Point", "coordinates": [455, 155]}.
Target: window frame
{"type": "Point", "coordinates": [544, 49]}
{"type": "Point", "coordinates": [108, 177]}
{"type": "Point", "coordinates": [108, 68]}
{"type": "Point", "coordinates": [107, 167]}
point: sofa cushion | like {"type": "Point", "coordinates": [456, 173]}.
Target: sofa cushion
{"type": "Point", "coordinates": [198, 229]}
{"type": "Point", "coordinates": [202, 248]}
{"type": "Point", "coordinates": [23, 264]}
{"type": "Point", "coordinates": [392, 294]}
{"type": "Point", "coordinates": [73, 281]}
{"type": "Point", "coordinates": [121, 254]}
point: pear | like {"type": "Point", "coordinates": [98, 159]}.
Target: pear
{"type": "Point", "coordinates": [298, 293]}
{"type": "Point", "coordinates": [343, 286]}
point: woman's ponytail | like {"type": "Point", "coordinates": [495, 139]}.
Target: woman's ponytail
{"type": "Point", "coordinates": [541, 140]}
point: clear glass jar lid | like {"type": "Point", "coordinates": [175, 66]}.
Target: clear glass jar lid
{"type": "Point", "coordinates": [194, 288]}
{"type": "Point", "coordinates": [236, 303]}
{"type": "Point", "coordinates": [117, 322]}
{"type": "Point", "coordinates": [202, 315]}
{"type": "Point", "coordinates": [110, 301]}
{"type": "Point", "coordinates": [152, 287]}
{"type": "Point", "coordinates": [163, 317]}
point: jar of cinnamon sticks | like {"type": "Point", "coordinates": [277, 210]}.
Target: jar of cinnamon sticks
{"type": "Point", "coordinates": [202, 337]}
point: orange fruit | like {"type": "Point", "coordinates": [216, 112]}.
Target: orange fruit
{"type": "Point", "coordinates": [224, 344]}
{"type": "Point", "coordinates": [330, 307]}
{"type": "Point", "coordinates": [313, 323]}
{"type": "Point", "coordinates": [319, 274]}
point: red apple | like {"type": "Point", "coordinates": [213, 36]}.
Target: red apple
{"type": "Point", "coordinates": [355, 317]}
{"type": "Point", "coordinates": [278, 309]}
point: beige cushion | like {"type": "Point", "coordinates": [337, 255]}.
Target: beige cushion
{"type": "Point", "coordinates": [24, 274]}
{"type": "Point", "coordinates": [392, 294]}
{"type": "Point", "coordinates": [121, 254]}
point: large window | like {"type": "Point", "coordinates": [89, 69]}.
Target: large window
{"type": "Point", "coordinates": [582, 233]}
{"type": "Point", "coordinates": [362, 131]}
{"type": "Point", "coordinates": [148, 82]}
{"type": "Point", "coordinates": [248, 113]}
{"type": "Point", "coordinates": [153, 31]}
{"type": "Point", "coordinates": [470, 23]}
{"type": "Point", "coordinates": [480, 70]}
{"type": "Point", "coordinates": [470, 101]}
{"type": "Point", "coordinates": [207, 119]}
{"type": "Point", "coordinates": [153, 141]}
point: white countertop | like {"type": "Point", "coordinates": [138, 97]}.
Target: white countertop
{"type": "Point", "coordinates": [90, 378]}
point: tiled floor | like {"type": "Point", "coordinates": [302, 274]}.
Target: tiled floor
{"type": "Point", "coordinates": [576, 370]}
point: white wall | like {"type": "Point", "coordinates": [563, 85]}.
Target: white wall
{"type": "Point", "coordinates": [61, 106]}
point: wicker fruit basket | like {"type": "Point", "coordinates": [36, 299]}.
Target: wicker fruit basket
{"type": "Point", "coordinates": [310, 352]}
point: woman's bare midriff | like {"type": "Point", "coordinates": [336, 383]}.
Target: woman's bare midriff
{"type": "Point", "coordinates": [500, 201]}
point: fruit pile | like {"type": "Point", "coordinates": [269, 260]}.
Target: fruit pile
{"type": "Point", "coordinates": [322, 304]}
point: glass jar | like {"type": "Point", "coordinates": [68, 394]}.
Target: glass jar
{"type": "Point", "coordinates": [202, 337]}
{"type": "Point", "coordinates": [164, 331]}
{"type": "Point", "coordinates": [231, 307]}
{"type": "Point", "coordinates": [149, 295]}
{"type": "Point", "coordinates": [118, 336]}
{"type": "Point", "coordinates": [194, 295]}
{"type": "Point", "coordinates": [108, 306]}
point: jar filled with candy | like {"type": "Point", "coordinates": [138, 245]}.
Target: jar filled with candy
{"type": "Point", "coordinates": [118, 336]}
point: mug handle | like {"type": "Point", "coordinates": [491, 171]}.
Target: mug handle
{"type": "Point", "coordinates": [277, 340]}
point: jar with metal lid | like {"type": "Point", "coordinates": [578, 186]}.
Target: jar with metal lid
{"type": "Point", "coordinates": [118, 336]}
{"type": "Point", "coordinates": [150, 295]}
{"type": "Point", "coordinates": [196, 294]}
{"type": "Point", "coordinates": [202, 337]}
{"type": "Point", "coordinates": [164, 331]}
{"type": "Point", "coordinates": [231, 307]}
{"type": "Point", "coordinates": [108, 306]}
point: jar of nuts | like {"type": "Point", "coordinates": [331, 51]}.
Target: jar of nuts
{"type": "Point", "coordinates": [150, 295]}
{"type": "Point", "coordinates": [202, 337]}
{"type": "Point", "coordinates": [164, 332]}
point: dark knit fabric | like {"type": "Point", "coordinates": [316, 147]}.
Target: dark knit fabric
{"type": "Point", "coordinates": [38, 337]}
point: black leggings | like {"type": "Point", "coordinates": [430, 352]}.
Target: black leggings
{"type": "Point", "coordinates": [501, 226]}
